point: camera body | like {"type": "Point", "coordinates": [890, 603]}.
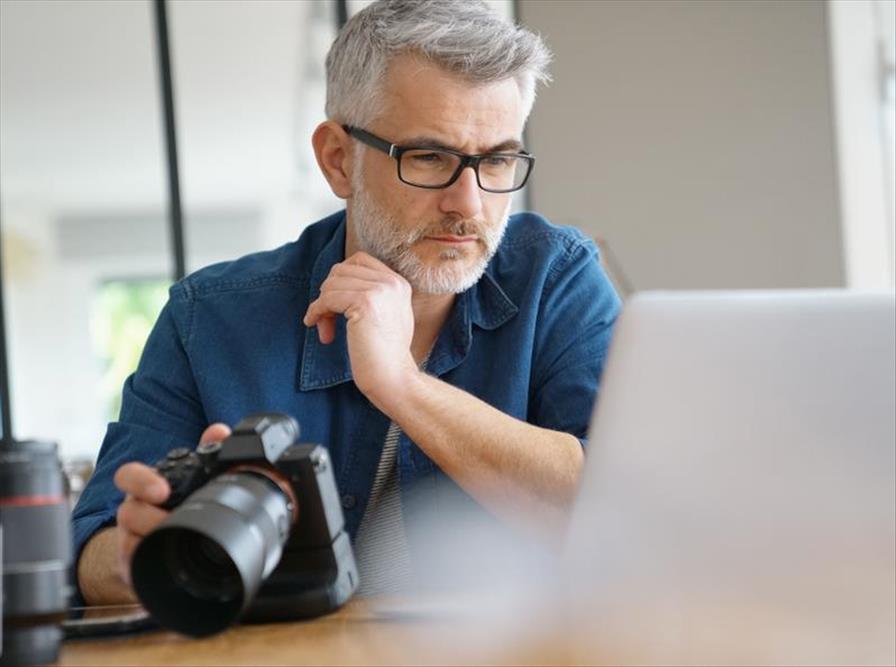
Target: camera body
{"type": "Point", "coordinates": [202, 560]}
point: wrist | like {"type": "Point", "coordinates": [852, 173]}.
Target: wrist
{"type": "Point", "coordinates": [395, 392]}
{"type": "Point", "coordinates": [99, 578]}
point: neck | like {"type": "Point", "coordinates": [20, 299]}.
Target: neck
{"type": "Point", "coordinates": [430, 313]}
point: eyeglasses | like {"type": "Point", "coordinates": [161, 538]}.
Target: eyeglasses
{"type": "Point", "coordinates": [436, 167]}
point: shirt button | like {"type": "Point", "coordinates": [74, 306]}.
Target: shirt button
{"type": "Point", "coordinates": [348, 501]}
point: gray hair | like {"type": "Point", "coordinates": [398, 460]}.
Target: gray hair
{"type": "Point", "coordinates": [464, 37]}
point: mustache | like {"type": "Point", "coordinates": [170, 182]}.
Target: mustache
{"type": "Point", "coordinates": [452, 227]}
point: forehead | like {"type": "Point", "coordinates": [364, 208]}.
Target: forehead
{"type": "Point", "coordinates": [422, 99]}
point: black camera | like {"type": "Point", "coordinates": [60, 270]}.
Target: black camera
{"type": "Point", "coordinates": [256, 513]}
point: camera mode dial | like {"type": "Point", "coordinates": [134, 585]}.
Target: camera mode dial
{"type": "Point", "coordinates": [184, 471]}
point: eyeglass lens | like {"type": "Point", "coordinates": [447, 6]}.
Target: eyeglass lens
{"type": "Point", "coordinates": [431, 168]}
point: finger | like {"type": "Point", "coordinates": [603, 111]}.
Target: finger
{"type": "Point", "coordinates": [215, 433]}
{"type": "Point", "coordinates": [361, 258]}
{"type": "Point", "coordinates": [318, 316]}
{"type": "Point", "coordinates": [362, 265]}
{"type": "Point", "coordinates": [361, 271]}
{"type": "Point", "coordinates": [143, 482]}
{"type": "Point", "coordinates": [326, 329]}
{"type": "Point", "coordinates": [329, 304]}
{"type": "Point", "coordinates": [313, 314]}
{"type": "Point", "coordinates": [138, 517]}
{"type": "Point", "coordinates": [350, 284]}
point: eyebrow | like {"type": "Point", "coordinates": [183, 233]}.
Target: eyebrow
{"type": "Point", "coordinates": [508, 145]}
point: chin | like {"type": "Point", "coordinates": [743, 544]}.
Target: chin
{"type": "Point", "coordinates": [446, 275]}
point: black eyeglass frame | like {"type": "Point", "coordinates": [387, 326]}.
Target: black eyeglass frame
{"type": "Point", "coordinates": [395, 151]}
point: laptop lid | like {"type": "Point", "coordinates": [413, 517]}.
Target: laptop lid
{"type": "Point", "coordinates": [739, 501]}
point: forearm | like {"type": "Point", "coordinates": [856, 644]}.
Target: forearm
{"type": "Point", "coordinates": [99, 572]}
{"type": "Point", "coordinates": [524, 474]}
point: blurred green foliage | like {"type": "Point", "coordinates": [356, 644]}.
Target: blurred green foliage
{"type": "Point", "coordinates": [123, 316]}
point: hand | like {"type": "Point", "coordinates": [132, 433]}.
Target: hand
{"type": "Point", "coordinates": [138, 515]}
{"type": "Point", "coordinates": [376, 303]}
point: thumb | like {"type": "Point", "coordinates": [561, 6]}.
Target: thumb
{"type": "Point", "coordinates": [214, 433]}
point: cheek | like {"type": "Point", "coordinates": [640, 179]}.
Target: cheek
{"type": "Point", "coordinates": [495, 208]}
{"type": "Point", "coordinates": [417, 208]}
{"type": "Point", "coordinates": [393, 197]}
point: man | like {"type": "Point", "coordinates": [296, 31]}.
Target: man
{"type": "Point", "coordinates": [429, 342]}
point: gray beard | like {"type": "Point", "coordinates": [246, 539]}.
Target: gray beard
{"type": "Point", "coordinates": [380, 235]}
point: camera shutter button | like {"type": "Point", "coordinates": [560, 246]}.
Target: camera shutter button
{"type": "Point", "coordinates": [178, 453]}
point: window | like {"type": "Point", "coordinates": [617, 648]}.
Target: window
{"type": "Point", "coordinates": [83, 199]}
{"type": "Point", "coordinates": [885, 21]}
{"type": "Point", "coordinates": [87, 254]}
{"type": "Point", "coordinates": [122, 316]}
{"type": "Point", "coordinates": [862, 59]}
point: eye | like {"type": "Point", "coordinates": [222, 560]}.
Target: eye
{"type": "Point", "coordinates": [427, 158]}
{"type": "Point", "coordinates": [500, 161]}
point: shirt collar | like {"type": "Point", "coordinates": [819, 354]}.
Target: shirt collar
{"type": "Point", "coordinates": [485, 304]}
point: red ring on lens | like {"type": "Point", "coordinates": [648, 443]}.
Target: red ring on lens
{"type": "Point", "coordinates": [31, 501]}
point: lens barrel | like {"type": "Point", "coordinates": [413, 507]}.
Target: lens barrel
{"type": "Point", "coordinates": [37, 552]}
{"type": "Point", "coordinates": [200, 569]}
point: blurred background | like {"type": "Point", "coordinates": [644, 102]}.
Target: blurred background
{"type": "Point", "coordinates": [735, 144]}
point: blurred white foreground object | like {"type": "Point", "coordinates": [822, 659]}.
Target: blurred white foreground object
{"type": "Point", "coordinates": [739, 502]}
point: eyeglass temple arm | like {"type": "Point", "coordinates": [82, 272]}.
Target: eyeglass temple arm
{"type": "Point", "coordinates": [371, 140]}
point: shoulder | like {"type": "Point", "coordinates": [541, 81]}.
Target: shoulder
{"type": "Point", "coordinates": [288, 266]}
{"type": "Point", "coordinates": [540, 265]}
{"type": "Point", "coordinates": [533, 245]}
{"type": "Point", "coordinates": [527, 229]}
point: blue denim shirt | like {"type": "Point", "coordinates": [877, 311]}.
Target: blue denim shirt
{"type": "Point", "coordinates": [529, 338]}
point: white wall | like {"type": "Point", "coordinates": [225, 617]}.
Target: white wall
{"type": "Point", "coordinates": [695, 137]}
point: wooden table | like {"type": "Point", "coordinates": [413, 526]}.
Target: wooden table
{"type": "Point", "coordinates": [462, 631]}
{"type": "Point", "coordinates": [371, 631]}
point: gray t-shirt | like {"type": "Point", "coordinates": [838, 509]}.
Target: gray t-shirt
{"type": "Point", "coordinates": [381, 547]}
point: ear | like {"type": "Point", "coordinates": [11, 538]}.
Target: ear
{"type": "Point", "coordinates": [334, 157]}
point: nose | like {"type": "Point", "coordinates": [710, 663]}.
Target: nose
{"type": "Point", "coordinates": [463, 197]}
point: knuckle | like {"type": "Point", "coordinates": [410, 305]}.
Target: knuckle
{"type": "Point", "coordinates": [124, 514]}
{"type": "Point", "coordinates": [132, 516]}
{"type": "Point", "coordinates": [368, 299]}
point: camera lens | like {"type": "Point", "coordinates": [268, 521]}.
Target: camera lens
{"type": "Point", "coordinates": [36, 552]}
{"type": "Point", "coordinates": [202, 567]}
{"type": "Point", "coordinates": [199, 570]}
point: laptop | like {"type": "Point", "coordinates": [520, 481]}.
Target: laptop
{"type": "Point", "coordinates": [738, 504]}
